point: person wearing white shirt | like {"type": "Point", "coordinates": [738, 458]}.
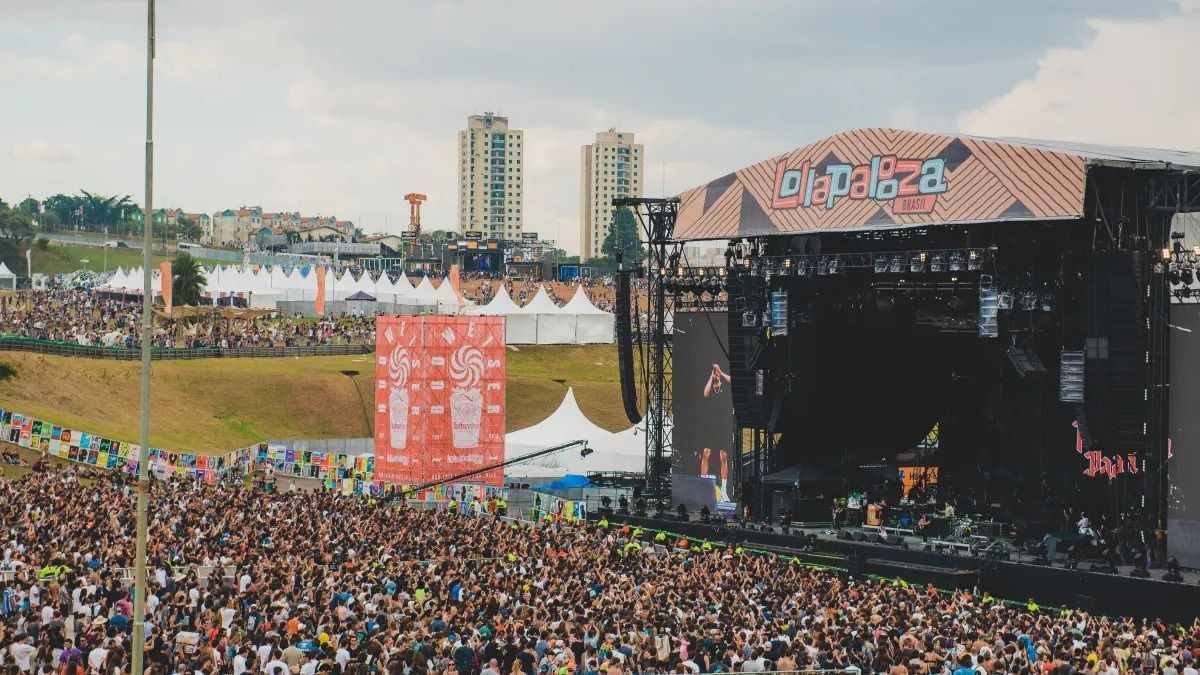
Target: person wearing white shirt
{"type": "Point", "coordinates": [244, 582]}
{"type": "Point", "coordinates": [264, 654]}
{"type": "Point", "coordinates": [342, 657]}
{"type": "Point", "coordinates": [241, 662]}
{"type": "Point", "coordinates": [275, 667]}
{"type": "Point", "coordinates": [96, 658]}
{"type": "Point", "coordinates": [22, 652]}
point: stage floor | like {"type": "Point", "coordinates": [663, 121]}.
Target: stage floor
{"type": "Point", "coordinates": [1018, 578]}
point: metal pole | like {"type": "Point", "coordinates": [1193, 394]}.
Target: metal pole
{"type": "Point", "coordinates": [143, 480]}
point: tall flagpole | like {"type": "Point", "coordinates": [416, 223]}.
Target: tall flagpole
{"type": "Point", "coordinates": [143, 479]}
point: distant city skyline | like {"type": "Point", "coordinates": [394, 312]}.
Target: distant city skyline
{"type": "Point", "coordinates": [307, 106]}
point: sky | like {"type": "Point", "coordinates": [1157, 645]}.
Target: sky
{"type": "Point", "coordinates": [341, 108]}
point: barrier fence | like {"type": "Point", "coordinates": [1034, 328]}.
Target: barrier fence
{"type": "Point", "coordinates": [22, 344]}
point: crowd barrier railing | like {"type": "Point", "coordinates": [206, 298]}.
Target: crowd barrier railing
{"type": "Point", "coordinates": [23, 344]}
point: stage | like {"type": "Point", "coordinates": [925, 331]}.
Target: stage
{"type": "Point", "coordinates": [1018, 578]}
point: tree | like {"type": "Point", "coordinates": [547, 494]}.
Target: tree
{"type": "Point", "coordinates": [48, 221]}
{"type": "Point", "coordinates": [30, 206]}
{"type": "Point", "coordinates": [189, 229]}
{"type": "Point", "coordinates": [64, 207]}
{"type": "Point", "coordinates": [623, 240]}
{"type": "Point", "coordinates": [187, 280]}
{"type": "Point", "coordinates": [100, 211]}
{"type": "Point", "coordinates": [16, 229]}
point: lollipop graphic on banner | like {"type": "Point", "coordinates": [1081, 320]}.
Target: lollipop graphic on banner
{"type": "Point", "coordinates": [467, 366]}
{"type": "Point", "coordinates": [398, 367]}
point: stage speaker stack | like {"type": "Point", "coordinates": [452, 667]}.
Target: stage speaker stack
{"type": "Point", "coordinates": [624, 332]}
{"type": "Point", "coordinates": [1115, 350]}
{"type": "Point", "coordinates": [748, 306]}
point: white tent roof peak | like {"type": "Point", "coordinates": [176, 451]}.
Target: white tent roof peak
{"type": "Point", "coordinates": [4, 271]}
{"type": "Point", "coordinates": [581, 304]}
{"type": "Point", "coordinates": [446, 294]}
{"type": "Point", "coordinates": [567, 422]}
{"type": "Point", "coordinates": [541, 304]}
{"type": "Point", "coordinates": [501, 304]}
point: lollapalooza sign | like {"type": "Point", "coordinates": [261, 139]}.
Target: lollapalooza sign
{"type": "Point", "coordinates": [911, 185]}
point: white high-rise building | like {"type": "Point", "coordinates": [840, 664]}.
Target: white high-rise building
{"type": "Point", "coordinates": [491, 177]}
{"type": "Point", "coordinates": [610, 167]}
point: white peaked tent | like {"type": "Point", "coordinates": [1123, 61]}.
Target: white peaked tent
{"type": "Point", "coordinates": [7, 277]}
{"type": "Point", "coordinates": [116, 282]}
{"type": "Point", "coordinates": [611, 452]}
{"type": "Point", "coordinates": [447, 299]}
{"type": "Point", "coordinates": [554, 327]}
{"type": "Point", "coordinates": [501, 304]}
{"type": "Point", "coordinates": [519, 328]}
{"type": "Point", "coordinates": [592, 324]}
{"type": "Point", "coordinates": [425, 293]}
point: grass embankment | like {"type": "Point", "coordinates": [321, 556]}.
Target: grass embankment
{"type": "Point", "coordinates": [214, 405]}
{"type": "Point", "coordinates": [63, 258]}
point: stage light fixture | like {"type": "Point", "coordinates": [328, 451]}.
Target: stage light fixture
{"type": "Point", "coordinates": [1028, 301]}
{"type": "Point", "coordinates": [974, 260]}
{"type": "Point", "coordinates": [1187, 276]}
{"type": "Point", "coordinates": [1174, 278]}
{"type": "Point", "coordinates": [823, 267]}
{"type": "Point", "coordinates": [955, 261]}
{"type": "Point", "coordinates": [937, 262]}
{"type": "Point", "coordinates": [833, 265]}
{"type": "Point", "coordinates": [896, 266]}
{"type": "Point", "coordinates": [802, 267]}
{"type": "Point", "coordinates": [880, 264]}
{"type": "Point", "coordinates": [916, 263]}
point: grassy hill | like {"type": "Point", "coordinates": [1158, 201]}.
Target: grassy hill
{"type": "Point", "coordinates": [62, 258]}
{"type": "Point", "coordinates": [218, 404]}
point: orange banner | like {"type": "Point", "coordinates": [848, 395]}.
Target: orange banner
{"type": "Point", "coordinates": [320, 300]}
{"type": "Point", "coordinates": [455, 279]}
{"type": "Point", "coordinates": [165, 279]}
{"type": "Point", "coordinates": [439, 398]}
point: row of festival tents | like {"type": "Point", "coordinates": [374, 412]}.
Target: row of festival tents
{"type": "Point", "coordinates": [264, 287]}
{"type": "Point", "coordinates": [540, 321]}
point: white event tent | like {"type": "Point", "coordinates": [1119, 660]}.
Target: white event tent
{"type": "Point", "coordinates": [554, 327]}
{"type": "Point", "coordinates": [621, 451]}
{"type": "Point", "coordinates": [592, 324]}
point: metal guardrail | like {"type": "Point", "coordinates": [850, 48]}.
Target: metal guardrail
{"type": "Point", "coordinates": [21, 344]}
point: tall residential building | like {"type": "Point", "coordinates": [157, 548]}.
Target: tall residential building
{"type": "Point", "coordinates": [491, 177]}
{"type": "Point", "coordinates": [610, 167]}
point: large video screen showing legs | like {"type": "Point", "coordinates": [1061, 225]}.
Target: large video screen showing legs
{"type": "Point", "coordinates": [704, 472]}
{"type": "Point", "coordinates": [1183, 501]}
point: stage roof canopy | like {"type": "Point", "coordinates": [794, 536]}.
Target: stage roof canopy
{"type": "Point", "coordinates": [887, 178]}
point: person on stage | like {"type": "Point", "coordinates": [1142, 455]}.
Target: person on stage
{"type": "Point", "coordinates": [714, 389]}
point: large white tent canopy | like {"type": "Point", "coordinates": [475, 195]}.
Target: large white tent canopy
{"type": "Point", "coordinates": [621, 451]}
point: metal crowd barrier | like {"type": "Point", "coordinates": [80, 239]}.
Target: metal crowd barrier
{"type": "Point", "coordinates": [22, 344]}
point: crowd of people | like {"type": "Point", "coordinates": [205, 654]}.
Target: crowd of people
{"type": "Point", "coordinates": [89, 318]}
{"type": "Point", "coordinates": [246, 582]}
{"type": "Point", "coordinates": [92, 318]}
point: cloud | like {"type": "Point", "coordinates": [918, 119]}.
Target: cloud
{"type": "Point", "coordinates": [76, 58]}
{"type": "Point", "coordinates": [1131, 83]}
{"type": "Point", "coordinates": [44, 152]}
